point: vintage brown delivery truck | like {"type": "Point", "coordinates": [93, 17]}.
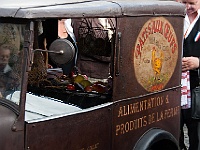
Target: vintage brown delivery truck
{"type": "Point", "coordinates": [90, 74]}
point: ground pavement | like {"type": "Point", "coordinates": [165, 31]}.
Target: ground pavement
{"type": "Point", "coordinates": [186, 137]}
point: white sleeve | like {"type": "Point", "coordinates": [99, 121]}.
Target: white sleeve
{"type": "Point", "coordinates": [69, 29]}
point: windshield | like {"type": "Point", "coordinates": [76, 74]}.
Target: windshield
{"type": "Point", "coordinates": [11, 39]}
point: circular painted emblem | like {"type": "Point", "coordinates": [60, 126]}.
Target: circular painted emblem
{"type": "Point", "coordinates": [155, 54]}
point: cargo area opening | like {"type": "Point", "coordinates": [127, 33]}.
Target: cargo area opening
{"type": "Point", "coordinates": [84, 80]}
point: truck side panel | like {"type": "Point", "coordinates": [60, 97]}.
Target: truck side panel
{"type": "Point", "coordinates": [88, 130]}
{"type": "Point", "coordinates": [132, 118]}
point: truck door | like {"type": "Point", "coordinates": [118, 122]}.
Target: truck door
{"type": "Point", "coordinates": [11, 54]}
{"type": "Point", "coordinates": [147, 78]}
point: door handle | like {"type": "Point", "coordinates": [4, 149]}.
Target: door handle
{"type": "Point", "coordinates": [118, 54]}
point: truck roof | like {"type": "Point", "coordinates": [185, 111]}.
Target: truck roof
{"type": "Point", "coordinates": [33, 9]}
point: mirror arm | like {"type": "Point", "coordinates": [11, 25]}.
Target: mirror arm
{"type": "Point", "coordinates": [42, 50]}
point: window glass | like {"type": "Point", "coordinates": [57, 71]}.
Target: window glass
{"type": "Point", "coordinates": [11, 44]}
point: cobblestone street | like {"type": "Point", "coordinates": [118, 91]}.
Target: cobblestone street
{"type": "Point", "coordinates": [186, 137]}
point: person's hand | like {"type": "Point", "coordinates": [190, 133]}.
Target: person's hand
{"type": "Point", "coordinates": [190, 63]}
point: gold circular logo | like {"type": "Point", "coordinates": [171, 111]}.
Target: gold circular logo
{"type": "Point", "coordinates": [155, 54]}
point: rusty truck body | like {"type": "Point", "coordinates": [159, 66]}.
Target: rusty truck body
{"type": "Point", "coordinates": [139, 109]}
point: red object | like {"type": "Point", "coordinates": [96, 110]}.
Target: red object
{"type": "Point", "coordinates": [99, 88]}
{"type": "Point", "coordinates": [71, 74]}
{"type": "Point", "coordinates": [49, 66]}
{"type": "Point", "coordinates": [71, 87]}
{"type": "Point", "coordinates": [88, 89]}
{"type": "Point", "coordinates": [85, 76]}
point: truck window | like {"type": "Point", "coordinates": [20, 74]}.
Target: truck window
{"type": "Point", "coordinates": [11, 41]}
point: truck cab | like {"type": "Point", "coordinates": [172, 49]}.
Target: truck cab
{"type": "Point", "coordinates": [86, 75]}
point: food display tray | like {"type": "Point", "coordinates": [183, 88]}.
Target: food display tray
{"type": "Point", "coordinates": [80, 98]}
